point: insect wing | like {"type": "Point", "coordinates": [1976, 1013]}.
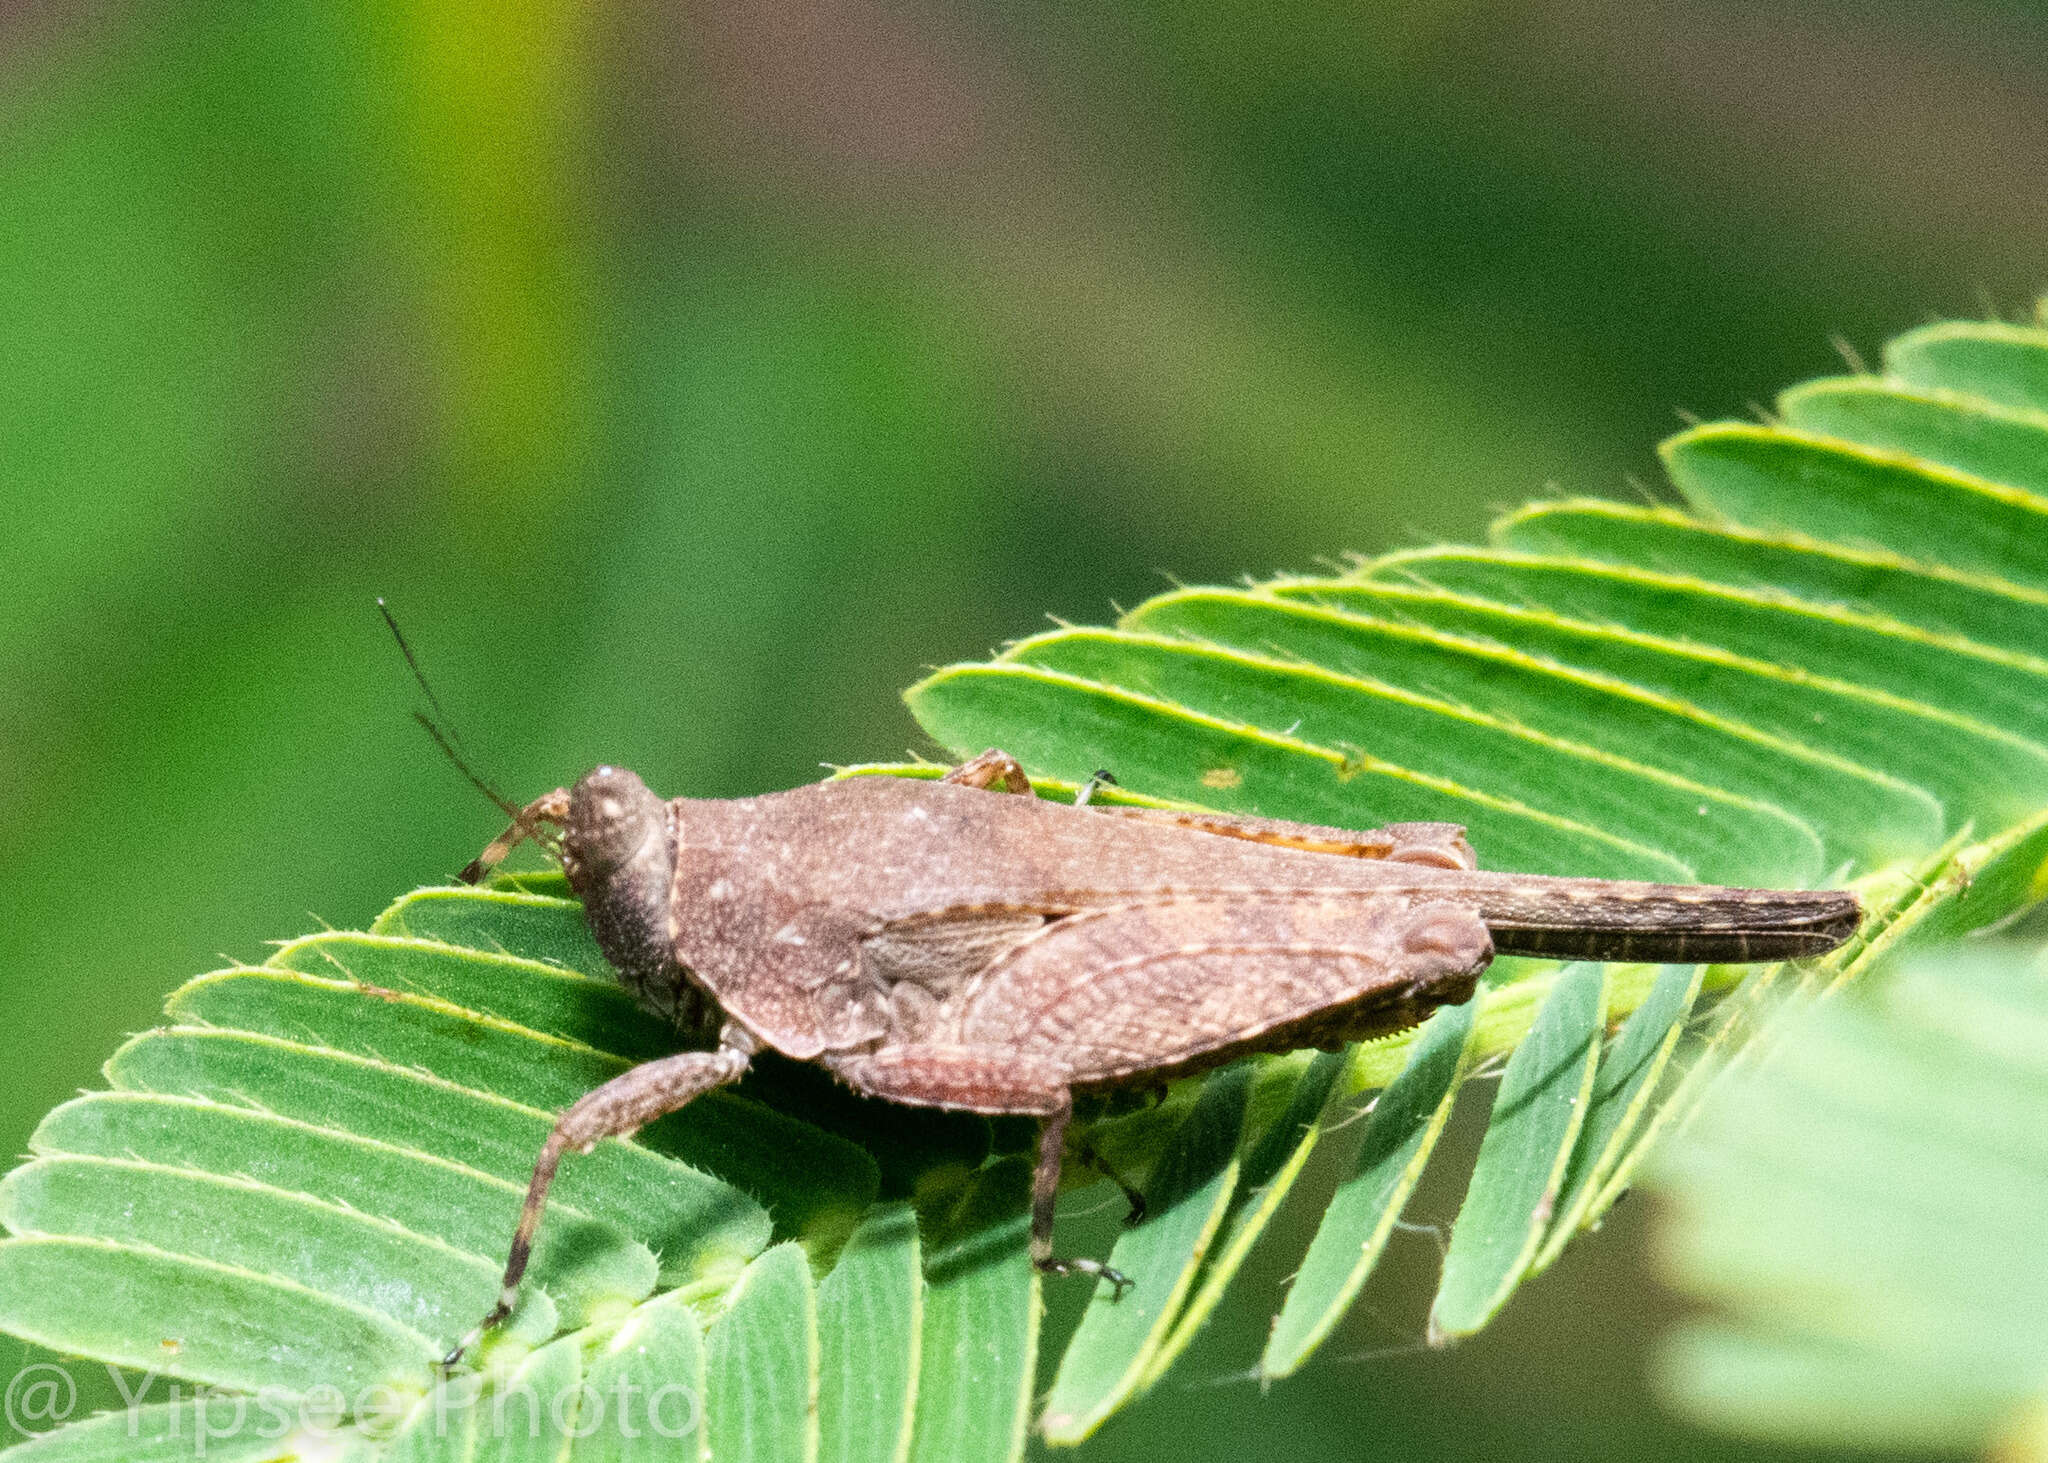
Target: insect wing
{"type": "Point", "coordinates": [1183, 984]}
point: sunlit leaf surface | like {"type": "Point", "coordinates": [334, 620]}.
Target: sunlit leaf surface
{"type": "Point", "coordinates": [1831, 664]}
{"type": "Point", "coordinates": [1537, 1115]}
{"type": "Point", "coordinates": [1865, 1209]}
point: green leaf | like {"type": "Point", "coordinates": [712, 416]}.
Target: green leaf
{"type": "Point", "coordinates": [442, 1424]}
{"type": "Point", "coordinates": [699, 1224]}
{"type": "Point", "coordinates": [1770, 477]}
{"type": "Point", "coordinates": [526, 1414]}
{"type": "Point", "coordinates": [761, 1369]}
{"type": "Point", "coordinates": [980, 1345]}
{"type": "Point", "coordinates": [1068, 725]}
{"type": "Point", "coordinates": [224, 1428]}
{"type": "Point", "coordinates": [422, 1284]}
{"type": "Point", "coordinates": [1400, 1134]}
{"type": "Point", "coordinates": [652, 1379]}
{"type": "Point", "coordinates": [1866, 1207]}
{"type": "Point", "coordinates": [1984, 440]}
{"type": "Point", "coordinates": [1575, 783]}
{"type": "Point", "coordinates": [1845, 800]}
{"type": "Point", "coordinates": [1915, 592]}
{"type": "Point", "coordinates": [1523, 1158]}
{"type": "Point", "coordinates": [870, 1332]}
{"type": "Point", "coordinates": [1976, 770]}
{"type": "Point", "coordinates": [200, 1319]}
{"type": "Point", "coordinates": [1120, 1334]}
{"type": "Point", "coordinates": [2006, 365]}
{"type": "Point", "coordinates": [1979, 885]}
{"type": "Point", "coordinates": [537, 927]}
{"type": "Point", "coordinates": [1994, 687]}
{"type": "Point", "coordinates": [1813, 1390]}
{"type": "Point", "coordinates": [1265, 1179]}
{"type": "Point", "coordinates": [1626, 1077]}
{"type": "Point", "coordinates": [582, 1264]}
{"type": "Point", "coordinates": [1831, 664]}
{"type": "Point", "coordinates": [534, 996]}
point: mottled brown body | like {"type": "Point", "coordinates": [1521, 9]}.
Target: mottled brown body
{"type": "Point", "coordinates": [935, 944]}
{"type": "Point", "coordinates": [1026, 925]}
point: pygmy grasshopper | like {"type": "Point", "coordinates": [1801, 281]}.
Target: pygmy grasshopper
{"type": "Point", "coordinates": [937, 944]}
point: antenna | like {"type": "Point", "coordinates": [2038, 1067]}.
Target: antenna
{"type": "Point", "coordinates": [447, 741]}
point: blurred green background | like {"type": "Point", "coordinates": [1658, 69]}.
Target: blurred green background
{"type": "Point", "coordinates": [690, 376]}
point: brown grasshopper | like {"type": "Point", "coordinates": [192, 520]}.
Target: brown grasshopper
{"type": "Point", "coordinates": [935, 944]}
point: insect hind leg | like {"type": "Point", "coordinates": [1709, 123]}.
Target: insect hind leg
{"type": "Point", "coordinates": [986, 1080]}
{"type": "Point", "coordinates": [1045, 1193]}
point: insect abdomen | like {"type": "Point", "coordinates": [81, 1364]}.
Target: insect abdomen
{"type": "Point", "coordinates": [1663, 923]}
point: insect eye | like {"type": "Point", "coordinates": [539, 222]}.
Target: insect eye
{"type": "Point", "coordinates": [612, 814]}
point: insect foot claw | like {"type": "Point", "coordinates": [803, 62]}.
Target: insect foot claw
{"type": "Point", "coordinates": [477, 1333]}
{"type": "Point", "coordinates": [1097, 780]}
{"type": "Point", "coordinates": [1116, 1279]}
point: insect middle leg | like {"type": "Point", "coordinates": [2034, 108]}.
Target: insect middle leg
{"type": "Point", "coordinates": [1434, 845]}
{"type": "Point", "coordinates": [993, 766]}
{"type": "Point", "coordinates": [978, 1079]}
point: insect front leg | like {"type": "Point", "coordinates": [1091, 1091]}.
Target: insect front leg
{"type": "Point", "coordinates": [987, 1080]}
{"type": "Point", "coordinates": [618, 1109]}
{"type": "Point", "coordinates": [552, 807]}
